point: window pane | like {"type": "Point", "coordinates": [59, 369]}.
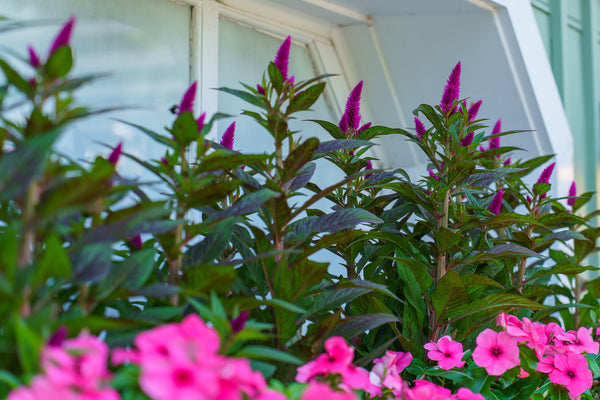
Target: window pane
{"type": "Point", "coordinates": [142, 44]}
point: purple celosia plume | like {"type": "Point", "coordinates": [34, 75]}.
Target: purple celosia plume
{"type": "Point", "coordinates": [495, 140]}
{"type": "Point", "coordinates": [420, 128]}
{"type": "Point", "coordinates": [546, 173]}
{"type": "Point", "coordinates": [452, 90]}
{"type": "Point", "coordinates": [187, 102]}
{"type": "Point", "coordinates": [507, 162]}
{"type": "Point", "coordinates": [572, 194]}
{"type": "Point", "coordinates": [474, 110]}
{"type": "Point", "coordinates": [136, 241]}
{"type": "Point", "coordinates": [363, 128]}
{"type": "Point", "coordinates": [116, 154]}
{"type": "Point", "coordinates": [200, 121]}
{"type": "Point", "coordinates": [496, 203]}
{"type": "Point", "coordinates": [34, 59]}
{"type": "Point", "coordinates": [228, 136]}
{"type": "Point", "coordinates": [164, 161]}
{"type": "Point", "coordinates": [237, 324]}
{"type": "Point", "coordinates": [467, 140]}
{"type": "Point", "coordinates": [58, 337]}
{"type": "Point", "coordinates": [260, 89]}
{"type": "Point", "coordinates": [351, 117]}
{"type": "Point", "coordinates": [64, 36]}
{"type": "Point", "coordinates": [283, 56]}
{"type": "Point", "coordinates": [368, 168]}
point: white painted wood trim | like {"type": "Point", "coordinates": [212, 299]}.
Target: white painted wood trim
{"type": "Point", "coordinates": [208, 69]}
{"type": "Point", "coordinates": [541, 79]}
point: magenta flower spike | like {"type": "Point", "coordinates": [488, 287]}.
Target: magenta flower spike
{"type": "Point", "coordinates": [496, 203]}
{"type": "Point", "coordinates": [228, 136]}
{"type": "Point", "coordinates": [467, 140]}
{"type": "Point", "coordinates": [283, 56]}
{"type": "Point", "coordinates": [452, 90]}
{"type": "Point", "coordinates": [58, 337]}
{"type": "Point", "coordinates": [343, 125]}
{"type": "Point", "coordinates": [237, 324]}
{"type": "Point", "coordinates": [187, 102]}
{"type": "Point", "coordinates": [368, 168]}
{"type": "Point", "coordinates": [136, 241]}
{"type": "Point", "coordinates": [260, 89]}
{"type": "Point", "coordinates": [420, 128]}
{"type": "Point", "coordinates": [353, 107]}
{"type": "Point", "coordinates": [363, 128]}
{"type": "Point", "coordinates": [34, 59]}
{"type": "Point", "coordinates": [64, 36]}
{"type": "Point", "coordinates": [507, 162]}
{"type": "Point", "coordinates": [494, 140]}
{"type": "Point", "coordinates": [546, 173]}
{"type": "Point", "coordinates": [200, 121]}
{"type": "Point", "coordinates": [116, 154]}
{"type": "Point", "coordinates": [474, 110]}
{"type": "Point", "coordinates": [164, 161]}
{"type": "Point", "coordinates": [572, 194]}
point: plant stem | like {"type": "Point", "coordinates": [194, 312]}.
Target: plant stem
{"type": "Point", "coordinates": [441, 264]}
{"type": "Point", "coordinates": [175, 265]}
{"type": "Point", "coordinates": [32, 198]}
{"type": "Point", "coordinates": [522, 267]}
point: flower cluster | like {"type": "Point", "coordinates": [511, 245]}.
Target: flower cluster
{"type": "Point", "coordinates": [73, 369]}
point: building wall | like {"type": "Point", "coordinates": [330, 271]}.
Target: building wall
{"type": "Point", "coordinates": [571, 31]}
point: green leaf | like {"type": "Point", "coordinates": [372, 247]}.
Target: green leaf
{"type": "Point", "coordinates": [156, 136]}
{"type": "Point", "coordinates": [565, 269]}
{"type": "Point", "coordinates": [329, 300]}
{"type": "Point", "coordinates": [9, 247]}
{"type": "Point", "coordinates": [54, 263]}
{"type": "Point", "coordinates": [450, 297]}
{"type": "Point", "coordinates": [332, 129]}
{"type": "Point", "coordinates": [541, 188]}
{"type": "Point", "coordinates": [247, 204]}
{"type": "Point", "coordinates": [275, 76]}
{"type": "Point", "coordinates": [14, 78]}
{"type": "Point", "coordinates": [202, 278]}
{"type": "Point", "coordinates": [496, 302]}
{"type": "Point", "coordinates": [132, 272]}
{"type": "Point", "coordinates": [246, 96]}
{"type": "Point", "coordinates": [302, 177]}
{"type": "Point", "coordinates": [298, 158]}
{"type": "Point", "coordinates": [340, 144]}
{"type": "Point", "coordinates": [213, 245]}
{"type": "Point", "coordinates": [351, 326]}
{"type": "Point", "coordinates": [9, 379]}
{"type": "Point", "coordinates": [92, 263]}
{"type": "Point", "coordinates": [60, 62]}
{"type": "Point", "coordinates": [502, 250]}
{"type": "Point", "coordinates": [337, 221]}
{"type": "Point", "coordinates": [185, 128]}
{"type": "Point", "coordinates": [29, 344]}
{"type": "Point", "coordinates": [267, 353]}
{"type": "Point", "coordinates": [304, 100]}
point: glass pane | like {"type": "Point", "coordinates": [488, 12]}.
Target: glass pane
{"type": "Point", "coordinates": [144, 47]}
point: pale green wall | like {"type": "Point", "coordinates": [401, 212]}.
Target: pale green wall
{"type": "Point", "coordinates": [571, 30]}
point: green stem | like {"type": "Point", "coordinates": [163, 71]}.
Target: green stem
{"type": "Point", "coordinates": [441, 264]}
{"type": "Point", "coordinates": [522, 266]}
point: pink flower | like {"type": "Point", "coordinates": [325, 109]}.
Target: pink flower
{"type": "Point", "coordinates": [420, 128]}
{"type": "Point", "coordinates": [495, 140]}
{"type": "Point", "coordinates": [572, 194]}
{"type": "Point", "coordinates": [283, 56]}
{"type": "Point", "coordinates": [468, 139]}
{"type": "Point", "coordinates": [322, 391]}
{"type": "Point", "coordinates": [237, 324]}
{"type": "Point", "coordinates": [446, 352]}
{"type": "Point", "coordinates": [571, 371]}
{"type": "Point", "coordinates": [116, 154]}
{"type": "Point", "coordinates": [64, 36]}
{"type": "Point", "coordinates": [580, 341]}
{"type": "Point", "coordinates": [228, 136]}
{"type": "Point", "coordinates": [386, 371]}
{"type": "Point", "coordinates": [200, 121]}
{"type": "Point", "coordinates": [452, 90]}
{"type": "Point", "coordinates": [427, 390]}
{"type": "Point", "coordinates": [507, 162]}
{"type": "Point", "coordinates": [136, 241]}
{"type": "Point", "coordinates": [466, 394]}
{"type": "Point", "coordinates": [260, 89]}
{"type": "Point", "coordinates": [496, 352]}
{"type": "Point", "coordinates": [34, 59]}
{"type": "Point", "coordinates": [187, 102]}
{"type": "Point", "coordinates": [338, 360]}
{"type": "Point", "coordinates": [369, 167]}
{"type": "Point", "coordinates": [363, 127]}
{"type": "Point", "coordinates": [473, 110]}
{"type": "Point", "coordinates": [58, 338]}
{"type": "Point", "coordinates": [496, 204]}
{"type": "Point", "coordinates": [546, 173]}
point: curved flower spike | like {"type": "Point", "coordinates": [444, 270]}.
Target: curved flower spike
{"type": "Point", "coordinates": [34, 59]}
{"type": "Point", "coordinates": [352, 113]}
{"type": "Point", "coordinates": [116, 154]}
{"type": "Point", "coordinates": [572, 194]}
{"type": "Point", "coordinates": [420, 128]}
{"type": "Point", "coordinates": [546, 173]}
{"type": "Point", "coordinates": [474, 110]}
{"type": "Point", "coordinates": [64, 36]}
{"type": "Point", "coordinates": [187, 102]}
{"type": "Point", "coordinates": [452, 89]}
{"type": "Point", "coordinates": [467, 140]}
{"type": "Point", "coordinates": [496, 204]}
{"type": "Point", "coordinates": [283, 56]}
{"type": "Point", "coordinates": [228, 136]}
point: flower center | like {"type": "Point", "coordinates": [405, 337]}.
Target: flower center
{"type": "Point", "coordinates": [448, 355]}
{"type": "Point", "coordinates": [182, 377]}
{"type": "Point", "coordinates": [571, 374]}
{"type": "Point", "coordinates": [496, 351]}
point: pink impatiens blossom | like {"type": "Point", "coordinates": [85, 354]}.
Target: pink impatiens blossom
{"type": "Point", "coordinates": [579, 341]}
{"type": "Point", "coordinates": [572, 194]}
{"type": "Point", "coordinates": [187, 102]}
{"type": "Point", "coordinates": [228, 136]}
{"type": "Point", "coordinates": [64, 36]}
{"type": "Point", "coordinates": [386, 371]}
{"type": "Point", "coordinates": [322, 391]}
{"type": "Point", "coordinates": [496, 204]}
{"type": "Point", "coordinates": [337, 360]}
{"type": "Point", "coordinates": [282, 58]}
{"type": "Point", "coordinates": [572, 372]}
{"type": "Point", "coordinates": [497, 352]}
{"type": "Point", "coordinates": [466, 394]}
{"type": "Point", "coordinates": [447, 352]}
{"type": "Point", "coordinates": [427, 390]}
{"type": "Point", "coordinates": [451, 90]}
